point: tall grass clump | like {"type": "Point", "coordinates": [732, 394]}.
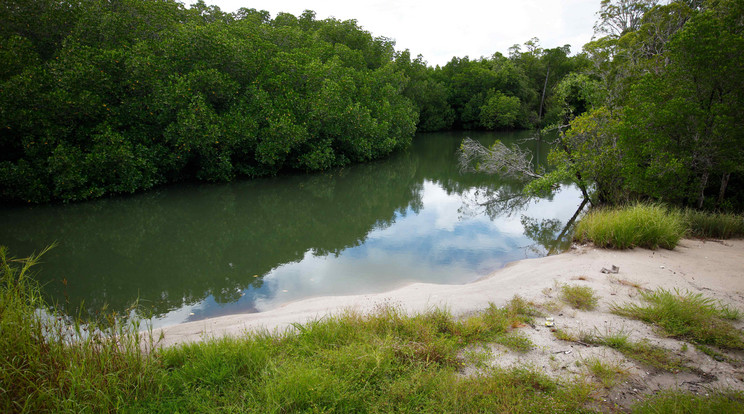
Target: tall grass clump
{"type": "Point", "coordinates": [688, 316]}
{"type": "Point", "coordinates": [638, 225]}
{"type": "Point", "coordinates": [51, 363]}
{"type": "Point", "coordinates": [713, 225]}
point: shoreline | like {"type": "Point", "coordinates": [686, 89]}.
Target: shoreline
{"type": "Point", "coordinates": [715, 268]}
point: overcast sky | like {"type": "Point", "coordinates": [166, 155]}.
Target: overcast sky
{"type": "Point", "coordinates": [439, 30]}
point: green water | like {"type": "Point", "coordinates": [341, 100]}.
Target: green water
{"type": "Point", "coordinates": [191, 251]}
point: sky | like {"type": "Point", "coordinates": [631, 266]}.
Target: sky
{"type": "Point", "coordinates": [439, 30]}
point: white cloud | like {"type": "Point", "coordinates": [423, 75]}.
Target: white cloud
{"type": "Point", "coordinates": [439, 30]}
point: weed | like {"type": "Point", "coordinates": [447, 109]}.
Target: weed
{"type": "Point", "coordinates": [608, 373]}
{"type": "Point", "coordinates": [641, 351]}
{"type": "Point", "coordinates": [477, 357]}
{"type": "Point", "coordinates": [653, 226]}
{"type": "Point", "coordinates": [688, 316]}
{"type": "Point", "coordinates": [579, 297]}
{"type": "Point", "coordinates": [553, 306]}
{"type": "Point", "coordinates": [681, 402]}
{"type": "Point", "coordinates": [516, 341]}
{"type": "Point", "coordinates": [626, 282]}
{"type": "Point", "coordinates": [564, 335]}
{"type": "Point", "coordinates": [50, 362]}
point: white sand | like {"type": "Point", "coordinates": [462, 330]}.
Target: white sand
{"type": "Point", "coordinates": [712, 267]}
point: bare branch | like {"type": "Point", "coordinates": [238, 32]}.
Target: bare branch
{"type": "Point", "coordinates": [510, 162]}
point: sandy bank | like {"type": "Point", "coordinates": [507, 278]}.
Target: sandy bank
{"type": "Point", "coordinates": [712, 267]}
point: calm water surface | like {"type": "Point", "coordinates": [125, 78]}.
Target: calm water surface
{"type": "Point", "coordinates": [188, 252]}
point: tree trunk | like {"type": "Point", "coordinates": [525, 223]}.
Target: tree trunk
{"type": "Point", "coordinates": [703, 184]}
{"type": "Point", "coordinates": [542, 100]}
{"type": "Point", "coordinates": [567, 226]}
{"type": "Point", "coordinates": [724, 184]}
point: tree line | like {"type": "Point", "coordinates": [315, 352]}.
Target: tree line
{"type": "Point", "coordinates": [103, 97]}
{"type": "Point", "coordinates": [656, 113]}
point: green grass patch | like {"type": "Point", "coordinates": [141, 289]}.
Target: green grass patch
{"type": "Point", "coordinates": [50, 363]}
{"type": "Point", "coordinates": [386, 361]}
{"type": "Point", "coordinates": [678, 402]}
{"type": "Point", "coordinates": [608, 373]}
{"type": "Point", "coordinates": [713, 225]}
{"type": "Point", "coordinates": [516, 342]}
{"type": "Point", "coordinates": [638, 225]}
{"type": "Point", "coordinates": [381, 362]}
{"type": "Point", "coordinates": [579, 297]}
{"type": "Point", "coordinates": [688, 316]}
{"type": "Point", "coordinates": [642, 351]}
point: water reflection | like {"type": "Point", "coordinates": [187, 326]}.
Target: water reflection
{"type": "Point", "coordinates": [195, 251]}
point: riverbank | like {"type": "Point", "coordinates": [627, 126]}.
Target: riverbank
{"type": "Point", "coordinates": [711, 268]}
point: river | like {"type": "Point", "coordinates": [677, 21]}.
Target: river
{"type": "Point", "coordinates": [191, 251]}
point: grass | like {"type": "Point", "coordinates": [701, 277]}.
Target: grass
{"type": "Point", "coordinates": [50, 363]}
{"type": "Point", "coordinates": [688, 316]}
{"type": "Point", "coordinates": [677, 402]}
{"type": "Point", "coordinates": [713, 225]}
{"type": "Point", "coordinates": [380, 362]}
{"type": "Point", "coordinates": [516, 342]}
{"type": "Point", "coordinates": [579, 297]}
{"type": "Point", "coordinates": [641, 351]}
{"type": "Point", "coordinates": [653, 226]}
{"type": "Point", "coordinates": [608, 373]}
{"type": "Point", "coordinates": [638, 225]}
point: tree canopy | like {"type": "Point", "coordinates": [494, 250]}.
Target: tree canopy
{"type": "Point", "coordinates": [655, 113]}
{"type": "Point", "coordinates": [103, 97]}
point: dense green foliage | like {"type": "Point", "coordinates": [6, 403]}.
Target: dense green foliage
{"type": "Point", "coordinates": [102, 97]}
{"type": "Point", "coordinates": [713, 225]}
{"type": "Point", "coordinates": [667, 124]}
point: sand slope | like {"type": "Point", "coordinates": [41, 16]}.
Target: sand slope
{"type": "Point", "coordinates": [715, 268]}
